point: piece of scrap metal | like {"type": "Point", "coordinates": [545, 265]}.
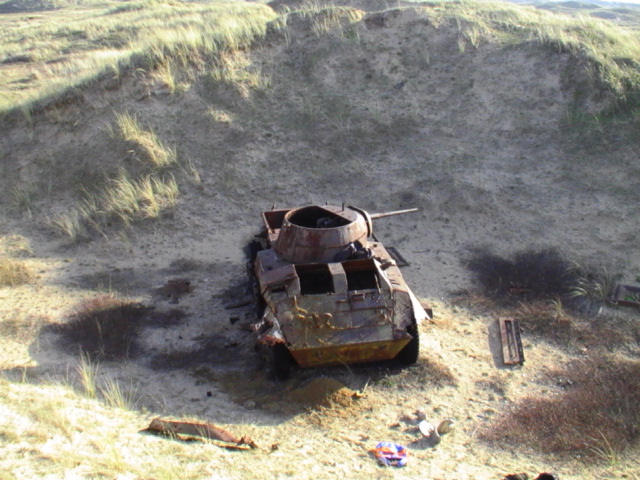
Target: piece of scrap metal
{"type": "Point", "coordinates": [627, 295]}
{"type": "Point", "coordinates": [512, 351]}
{"type": "Point", "coordinates": [185, 429]}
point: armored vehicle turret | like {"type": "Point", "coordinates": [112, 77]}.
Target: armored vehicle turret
{"type": "Point", "coordinates": [328, 292]}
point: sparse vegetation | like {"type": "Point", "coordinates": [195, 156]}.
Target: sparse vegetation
{"type": "Point", "coordinates": [15, 246]}
{"type": "Point", "coordinates": [123, 199]}
{"type": "Point", "coordinates": [21, 328]}
{"type": "Point", "coordinates": [592, 288]}
{"type": "Point", "coordinates": [42, 59]}
{"type": "Point", "coordinates": [544, 316]}
{"type": "Point", "coordinates": [326, 18]}
{"type": "Point", "coordinates": [146, 145]}
{"type": "Point", "coordinates": [23, 199]}
{"type": "Point", "coordinates": [13, 272]}
{"type": "Point", "coordinates": [595, 418]}
{"type": "Point", "coordinates": [87, 372]}
{"type": "Point", "coordinates": [544, 276]}
{"type": "Point", "coordinates": [42, 425]}
{"type": "Point", "coordinates": [116, 396]}
{"type": "Point", "coordinates": [126, 197]}
{"type": "Point", "coordinates": [612, 52]}
{"type": "Point", "coordinates": [70, 224]}
{"type": "Point", "coordinates": [234, 70]}
{"type": "Point", "coordinates": [219, 116]}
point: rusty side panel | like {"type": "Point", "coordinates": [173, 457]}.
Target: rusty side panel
{"type": "Point", "coordinates": [349, 353]}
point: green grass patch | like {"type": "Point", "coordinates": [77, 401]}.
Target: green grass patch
{"type": "Point", "coordinates": [41, 57]}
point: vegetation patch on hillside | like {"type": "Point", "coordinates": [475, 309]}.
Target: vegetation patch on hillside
{"type": "Point", "coordinates": [43, 57]}
{"type": "Point", "coordinates": [540, 275]}
{"type": "Point", "coordinates": [595, 417]}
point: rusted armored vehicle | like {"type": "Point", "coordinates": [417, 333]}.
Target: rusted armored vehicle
{"type": "Point", "coordinates": [328, 292]}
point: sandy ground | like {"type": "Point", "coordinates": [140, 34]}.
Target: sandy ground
{"type": "Point", "coordinates": [392, 112]}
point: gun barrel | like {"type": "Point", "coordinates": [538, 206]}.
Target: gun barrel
{"type": "Point", "coordinates": [375, 216]}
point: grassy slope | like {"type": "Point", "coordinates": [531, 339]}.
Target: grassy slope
{"type": "Point", "coordinates": [48, 52]}
{"type": "Point", "coordinates": [40, 57]}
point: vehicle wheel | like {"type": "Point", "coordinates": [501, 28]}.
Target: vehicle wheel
{"type": "Point", "coordinates": [409, 354]}
{"type": "Point", "coordinates": [280, 362]}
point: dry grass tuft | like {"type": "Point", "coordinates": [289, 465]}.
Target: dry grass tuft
{"type": "Point", "coordinates": [234, 71]}
{"type": "Point", "coordinates": [21, 328]}
{"type": "Point", "coordinates": [145, 143]}
{"type": "Point", "coordinates": [14, 272]}
{"type": "Point", "coordinates": [115, 396]}
{"type": "Point", "coordinates": [595, 418]}
{"type": "Point", "coordinates": [104, 327]}
{"type": "Point", "coordinates": [123, 199]}
{"type": "Point", "coordinates": [544, 316]}
{"type": "Point", "coordinates": [15, 246]}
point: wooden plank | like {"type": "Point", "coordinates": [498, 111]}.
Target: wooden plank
{"type": "Point", "coordinates": [512, 351]}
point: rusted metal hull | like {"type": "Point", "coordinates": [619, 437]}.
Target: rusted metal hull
{"type": "Point", "coordinates": [332, 295]}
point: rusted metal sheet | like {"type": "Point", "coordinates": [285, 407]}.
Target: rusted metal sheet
{"type": "Point", "coordinates": [627, 295]}
{"type": "Point", "coordinates": [193, 429]}
{"type": "Point", "coordinates": [512, 350]}
{"type": "Point", "coordinates": [346, 354]}
{"type": "Point", "coordinates": [332, 295]}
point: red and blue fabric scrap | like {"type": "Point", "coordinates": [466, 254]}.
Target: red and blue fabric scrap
{"type": "Point", "coordinates": [391, 454]}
